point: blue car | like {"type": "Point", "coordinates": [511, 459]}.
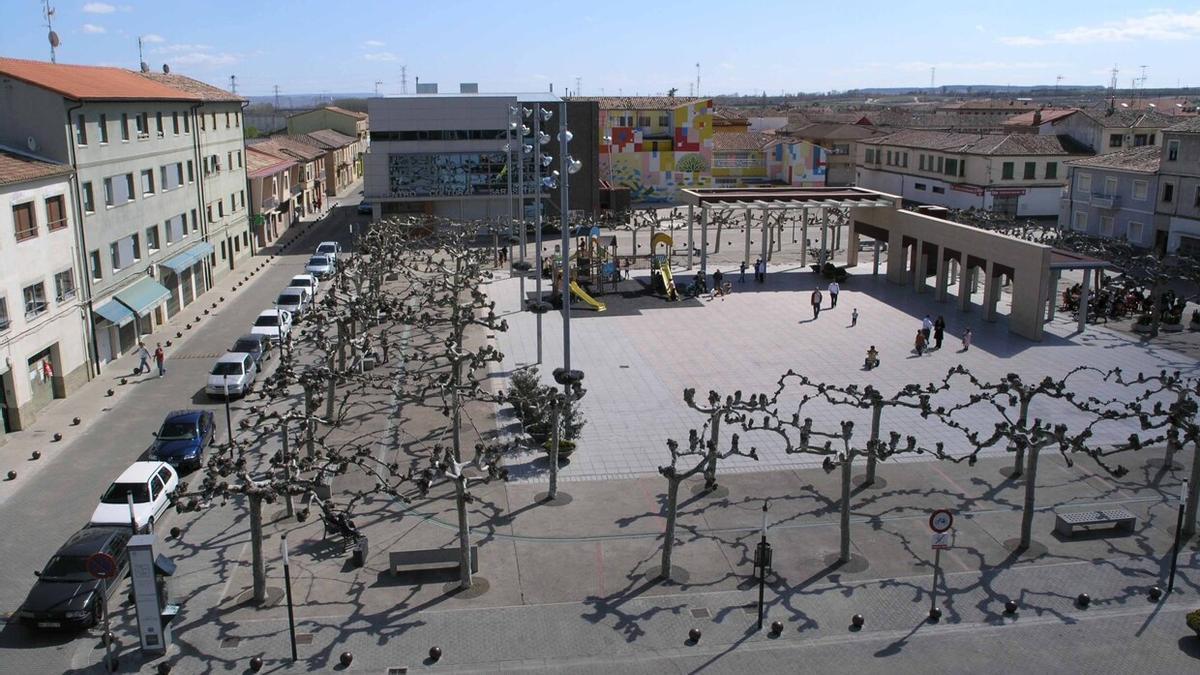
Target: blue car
{"type": "Point", "coordinates": [182, 439]}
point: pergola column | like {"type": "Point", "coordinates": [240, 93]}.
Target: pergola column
{"type": "Point", "coordinates": [991, 292]}
{"type": "Point", "coordinates": [964, 284]}
{"type": "Point", "coordinates": [1052, 293]}
{"type": "Point", "coordinates": [748, 221]}
{"type": "Point", "coordinates": [1084, 294]}
{"type": "Point", "coordinates": [875, 263]}
{"type": "Point", "coordinates": [852, 248]}
{"type": "Point", "coordinates": [824, 236]}
{"type": "Point", "coordinates": [766, 243]}
{"type": "Point", "coordinates": [704, 241]}
{"type": "Point", "coordinates": [919, 266]}
{"type": "Point", "coordinates": [939, 288]}
{"type": "Point", "coordinates": [691, 248]}
{"type": "Point", "coordinates": [804, 237]}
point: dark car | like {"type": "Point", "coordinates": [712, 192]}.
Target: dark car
{"type": "Point", "coordinates": [182, 438]}
{"type": "Point", "coordinates": [65, 595]}
{"type": "Point", "coordinates": [257, 346]}
{"type": "Point", "coordinates": [365, 208]}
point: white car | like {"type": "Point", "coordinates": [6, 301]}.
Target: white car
{"type": "Point", "coordinates": [150, 483]}
{"type": "Point", "coordinates": [329, 248]}
{"type": "Point", "coordinates": [276, 324]}
{"type": "Point", "coordinates": [232, 375]}
{"type": "Point", "coordinates": [306, 281]}
{"type": "Point", "coordinates": [320, 266]}
{"type": "Point", "coordinates": [294, 300]}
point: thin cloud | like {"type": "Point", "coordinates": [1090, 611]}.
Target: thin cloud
{"type": "Point", "coordinates": [380, 56]}
{"type": "Point", "coordinates": [93, 28]}
{"type": "Point", "coordinates": [204, 59]}
{"type": "Point", "coordinates": [1161, 26]}
{"type": "Point", "coordinates": [924, 66]}
{"type": "Point", "coordinates": [153, 38]}
{"type": "Point", "coordinates": [99, 8]}
{"type": "Point", "coordinates": [374, 43]}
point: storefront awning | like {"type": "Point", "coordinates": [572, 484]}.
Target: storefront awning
{"type": "Point", "coordinates": [188, 258]}
{"type": "Point", "coordinates": [143, 295]}
{"type": "Point", "coordinates": [115, 312]}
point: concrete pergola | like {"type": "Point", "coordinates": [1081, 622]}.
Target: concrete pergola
{"type": "Point", "coordinates": [1060, 261]}
{"type": "Point", "coordinates": [920, 245]}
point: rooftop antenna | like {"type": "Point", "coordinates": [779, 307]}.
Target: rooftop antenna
{"type": "Point", "coordinates": [1112, 89]}
{"type": "Point", "coordinates": [377, 83]}
{"type": "Point", "coordinates": [403, 79]}
{"type": "Point", "coordinates": [578, 86]}
{"type": "Point", "coordinates": [51, 36]}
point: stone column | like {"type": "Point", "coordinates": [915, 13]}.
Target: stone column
{"type": "Point", "coordinates": [748, 220]}
{"type": "Point", "coordinates": [964, 284]}
{"type": "Point", "coordinates": [919, 267]}
{"type": "Point", "coordinates": [824, 237]}
{"type": "Point", "coordinates": [1052, 293]}
{"type": "Point", "coordinates": [804, 238]}
{"type": "Point", "coordinates": [703, 242]}
{"type": "Point", "coordinates": [1084, 294]}
{"type": "Point", "coordinates": [766, 242]}
{"type": "Point", "coordinates": [875, 263]}
{"type": "Point", "coordinates": [939, 289]}
{"type": "Point", "coordinates": [991, 292]}
{"type": "Point", "coordinates": [691, 248]}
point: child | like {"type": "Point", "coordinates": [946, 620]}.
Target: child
{"type": "Point", "coordinates": [966, 339]}
{"type": "Point", "coordinates": [872, 359]}
{"type": "Point", "coordinates": [854, 317]}
{"type": "Point", "coordinates": [920, 342]}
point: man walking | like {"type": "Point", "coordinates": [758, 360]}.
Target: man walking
{"type": "Point", "coordinates": [160, 357]}
{"type": "Point", "coordinates": [834, 289]}
{"type": "Point", "coordinates": [383, 345]}
{"type": "Point", "coordinates": [939, 331]}
{"type": "Point", "coordinates": [816, 303]}
{"type": "Point", "coordinates": [742, 278]}
{"type": "Point", "coordinates": [926, 327]}
{"type": "Point", "coordinates": [143, 358]}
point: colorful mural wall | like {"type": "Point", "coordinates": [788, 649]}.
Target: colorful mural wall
{"type": "Point", "coordinates": [655, 160]}
{"type": "Point", "coordinates": [795, 162]}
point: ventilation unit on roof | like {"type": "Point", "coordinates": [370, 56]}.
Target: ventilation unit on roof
{"type": "Point", "coordinates": [468, 88]}
{"type": "Point", "coordinates": [427, 88]}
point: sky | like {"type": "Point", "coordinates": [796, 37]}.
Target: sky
{"type": "Point", "coordinates": [744, 46]}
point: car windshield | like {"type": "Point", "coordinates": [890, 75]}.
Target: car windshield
{"type": "Point", "coordinates": [247, 346]}
{"type": "Point", "coordinates": [267, 320]}
{"type": "Point", "coordinates": [66, 568]}
{"type": "Point", "coordinates": [326, 248]}
{"type": "Point", "coordinates": [288, 299]}
{"type": "Point", "coordinates": [318, 260]}
{"type": "Point", "coordinates": [177, 431]}
{"type": "Point", "coordinates": [118, 493]}
{"type": "Point", "coordinates": [227, 368]}
{"type": "Point", "coordinates": [303, 282]}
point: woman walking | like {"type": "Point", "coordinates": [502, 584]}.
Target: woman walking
{"type": "Point", "coordinates": [920, 342]}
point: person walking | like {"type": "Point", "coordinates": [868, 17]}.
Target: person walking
{"type": "Point", "coordinates": [816, 302]}
{"type": "Point", "coordinates": [834, 289]}
{"type": "Point", "coordinates": [160, 358]}
{"type": "Point", "coordinates": [854, 317]}
{"type": "Point", "coordinates": [758, 271]}
{"type": "Point", "coordinates": [143, 358]}
{"type": "Point", "coordinates": [927, 327]}
{"type": "Point", "coordinates": [966, 339]}
{"type": "Point", "coordinates": [718, 278]}
{"type": "Point", "coordinates": [939, 332]}
{"type": "Point", "coordinates": [920, 342]}
{"type": "Point", "coordinates": [742, 267]}
{"type": "Point", "coordinates": [383, 345]}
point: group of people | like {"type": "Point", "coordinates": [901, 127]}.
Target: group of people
{"type": "Point", "coordinates": [816, 299]}
{"type": "Point", "coordinates": [760, 271]}
{"type": "Point", "coordinates": [935, 331]}
{"type": "Point", "coordinates": [160, 358]}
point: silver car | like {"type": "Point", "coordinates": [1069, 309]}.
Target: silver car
{"type": "Point", "coordinates": [294, 300]}
{"type": "Point", "coordinates": [232, 375]}
{"type": "Point", "coordinates": [320, 266]}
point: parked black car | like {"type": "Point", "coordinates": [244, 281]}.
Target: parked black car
{"type": "Point", "coordinates": [65, 595]}
{"type": "Point", "coordinates": [257, 346]}
{"type": "Point", "coordinates": [182, 439]}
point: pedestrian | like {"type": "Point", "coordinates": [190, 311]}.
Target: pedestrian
{"type": "Point", "coordinates": [927, 327]}
{"type": "Point", "coordinates": [834, 289]}
{"type": "Point", "coordinates": [966, 339]}
{"type": "Point", "coordinates": [160, 357]}
{"type": "Point", "coordinates": [143, 359]}
{"type": "Point", "coordinates": [383, 345]}
{"type": "Point", "coordinates": [503, 255]}
{"type": "Point", "coordinates": [854, 317]}
{"type": "Point", "coordinates": [939, 331]}
{"type": "Point", "coordinates": [758, 273]}
{"type": "Point", "coordinates": [816, 302]}
{"type": "Point", "coordinates": [920, 342]}
{"type": "Point", "coordinates": [872, 359]}
{"type": "Point", "coordinates": [718, 277]}
{"type": "Point", "coordinates": [742, 267]}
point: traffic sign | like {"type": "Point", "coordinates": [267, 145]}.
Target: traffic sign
{"type": "Point", "coordinates": [940, 540]}
{"type": "Point", "coordinates": [101, 566]}
{"type": "Point", "coordinates": [941, 520]}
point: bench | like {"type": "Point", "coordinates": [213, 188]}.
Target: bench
{"type": "Point", "coordinates": [339, 524]}
{"type": "Point", "coordinates": [426, 559]}
{"type": "Point", "coordinates": [1121, 519]}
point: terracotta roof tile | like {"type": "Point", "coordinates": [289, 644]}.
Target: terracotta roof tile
{"type": "Point", "coordinates": [1047, 115]}
{"type": "Point", "coordinates": [343, 111]}
{"type": "Point", "coordinates": [326, 139]}
{"type": "Point", "coordinates": [741, 141]}
{"type": "Point", "coordinates": [259, 163]}
{"type": "Point", "coordinates": [1188, 126]}
{"type": "Point", "coordinates": [284, 147]}
{"type": "Point", "coordinates": [16, 167]}
{"type": "Point", "coordinates": [90, 83]}
{"type": "Point", "coordinates": [981, 144]}
{"type": "Point", "coordinates": [202, 90]}
{"type": "Point", "coordinates": [1145, 159]}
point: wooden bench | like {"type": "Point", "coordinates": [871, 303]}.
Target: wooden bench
{"type": "Point", "coordinates": [1119, 518]}
{"type": "Point", "coordinates": [339, 524]}
{"type": "Point", "coordinates": [426, 559]}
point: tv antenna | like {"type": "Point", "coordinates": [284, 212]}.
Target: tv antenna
{"type": "Point", "coordinates": [276, 98]}
{"type": "Point", "coordinates": [932, 76]}
{"type": "Point", "coordinates": [145, 67]}
{"type": "Point", "coordinates": [51, 36]}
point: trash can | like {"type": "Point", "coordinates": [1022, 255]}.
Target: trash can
{"type": "Point", "coordinates": [359, 555]}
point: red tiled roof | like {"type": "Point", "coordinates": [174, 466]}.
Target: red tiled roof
{"type": "Point", "coordinates": [343, 111]}
{"type": "Point", "coordinates": [90, 83]}
{"type": "Point", "coordinates": [638, 102]}
{"type": "Point", "coordinates": [259, 163]}
{"type": "Point", "coordinates": [741, 141]}
{"type": "Point", "coordinates": [1145, 159]}
{"type": "Point", "coordinates": [1047, 115]}
{"type": "Point", "coordinates": [982, 144]}
{"type": "Point", "coordinates": [287, 148]}
{"type": "Point", "coordinates": [16, 168]}
{"type": "Point", "coordinates": [202, 90]}
{"type": "Point", "coordinates": [326, 139]}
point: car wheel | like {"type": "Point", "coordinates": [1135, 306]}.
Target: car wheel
{"type": "Point", "coordinates": [97, 611]}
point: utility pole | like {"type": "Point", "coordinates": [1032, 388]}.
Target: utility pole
{"type": "Point", "coordinates": [276, 98]}
{"type": "Point", "coordinates": [697, 78]}
{"type": "Point", "coordinates": [403, 79]}
{"type": "Point", "coordinates": [932, 76]}
{"type": "Point", "coordinates": [377, 83]}
{"type": "Point", "coordinates": [48, 15]}
{"type": "Point", "coordinates": [578, 86]}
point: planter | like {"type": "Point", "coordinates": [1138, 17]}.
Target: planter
{"type": "Point", "coordinates": [565, 448]}
{"type": "Point", "coordinates": [1193, 621]}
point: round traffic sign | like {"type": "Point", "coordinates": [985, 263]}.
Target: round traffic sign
{"type": "Point", "coordinates": [941, 520]}
{"type": "Point", "coordinates": [101, 566]}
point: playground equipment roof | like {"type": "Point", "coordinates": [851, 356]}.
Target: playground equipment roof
{"type": "Point", "coordinates": [781, 198]}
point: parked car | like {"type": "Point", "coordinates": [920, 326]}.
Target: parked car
{"type": "Point", "coordinates": [276, 324]}
{"type": "Point", "coordinates": [257, 346]}
{"type": "Point", "coordinates": [307, 281]}
{"type": "Point", "coordinates": [182, 438]}
{"type": "Point", "coordinates": [294, 300]}
{"type": "Point", "coordinates": [365, 208]}
{"type": "Point", "coordinates": [232, 375]}
{"type": "Point", "coordinates": [150, 484]}
{"type": "Point", "coordinates": [329, 248]}
{"type": "Point", "coordinates": [65, 595]}
{"type": "Point", "coordinates": [320, 266]}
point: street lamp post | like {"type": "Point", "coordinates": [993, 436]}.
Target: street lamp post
{"type": "Point", "coordinates": [287, 587]}
{"type": "Point", "coordinates": [228, 417]}
{"type": "Point", "coordinates": [1178, 531]}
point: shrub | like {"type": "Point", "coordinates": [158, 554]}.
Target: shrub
{"type": "Point", "coordinates": [1193, 620]}
{"type": "Point", "coordinates": [531, 400]}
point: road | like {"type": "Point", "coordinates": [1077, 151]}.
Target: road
{"type": "Point", "coordinates": [52, 505]}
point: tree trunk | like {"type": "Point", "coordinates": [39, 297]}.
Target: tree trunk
{"type": "Point", "coordinates": [287, 466]}
{"type": "Point", "coordinates": [257, 567]}
{"type": "Point", "coordinates": [310, 426]}
{"type": "Point", "coordinates": [1156, 312]}
{"type": "Point", "coordinates": [876, 414]}
{"type": "Point", "coordinates": [341, 345]}
{"type": "Point", "coordinates": [669, 537]}
{"type": "Point", "coordinates": [710, 470]}
{"type": "Point", "coordinates": [844, 556]}
{"type": "Point", "coordinates": [464, 533]}
{"type": "Point", "coordinates": [1193, 495]}
{"type": "Point", "coordinates": [1019, 463]}
{"type": "Point", "coordinates": [552, 492]}
{"type": "Point", "coordinates": [1030, 498]}
{"type": "Point", "coordinates": [331, 389]}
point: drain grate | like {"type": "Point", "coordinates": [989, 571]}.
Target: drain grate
{"type": "Point", "coordinates": [304, 638]}
{"type": "Point", "coordinates": [397, 670]}
{"type": "Point", "coordinates": [230, 643]}
{"type": "Point", "coordinates": [701, 613]}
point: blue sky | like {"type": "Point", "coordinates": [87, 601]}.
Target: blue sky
{"type": "Point", "coordinates": [307, 46]}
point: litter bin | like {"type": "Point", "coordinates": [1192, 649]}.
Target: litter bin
{"type": "Point", "coordinates": [358, 556]}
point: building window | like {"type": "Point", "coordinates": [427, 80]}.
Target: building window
{"type": "Point", "coordinates": [142, 122]}
{"type": "Point", "coordinates": [1168, 193]}
{"type": "Point", "coordinates": [1006, 171]}
{"type": "Point", "coordinates": [24, 221]}
{"type": "Point", "coordinates": [136, 241]}
{"type": "Point", "coordinates": [1080, 221]}
{"type": "Point", "coordinates": [1110, 186]}
{"type": "Point", "coordinates": [175, 122]}
{"type": "Point", "coordinates": [919, 186]}
{"type": "Point", "coordinates": [191, 171]}
{"type": "Point", "coordinates": [210, 213]}
{"type": "Point", "coordinates": [222, 250]}
{"type": "Point", "coordinates": [147, 182]}
{"type": "Point", "coordinates": [81, 130]}
{"type": "Point", "coordinates": [921, 162]}
{"type": "Point", "coordinates": [1172, 151]}
{"type": "Point", "coordinates": [221, 208]}
{"type": "Point", "coordinates": [124, 126]}
{"type": "Point", "coordinates": [239, 155]}
{"type": "Point", "coordinates": [187, 125]}
{"type": "Point", "coordinates": [195, 225]}
{"type": "Point", "coordinates": [64, 285]}
{"type": "Point", "coordinates": [904, 160]}
{"type": "Point", "coordinates": [89, 198]}
{"type": "Point", "coordinates": [114, 256]}
{"type": "Point", "coordinates": [242, 198]}
{"type": "Point", "coordinates": [1030, 170]}
{"type": "Point", "coordinates": [951, 167]}
{"type": "Point", "coordinates": [1106, 226]}
{"type": "Point", "coordinates": [35, 299]}
{"type": "Point", "coordinates": [1135, 232]}
{"type": "Point", "coordinates": [1085, 184]}
{"type": "Point", "coordinates": [237, 120]}
{"type": "Point", "coordinates": [1139, 190]}
{"type": "Point", "coordinates": [1115, 140]}
{"type": "Point", "coordinates": [56, 213]}
{"type": "Point", "coordinates": [1195, 202]}
{"type": "Point", "coordinates": [158, 124]}
{"type": "Point", "coordinates": [938, 190]}
{"type": "Point", "coordinates": [1051, 170]}
{"type": "Point", "coordinates": [103, 125]}
{"type": "Point", "coordinates": [97, 268]}
{"type": "Point", "coordinates": [4, 321]}
{"type": "Point", "coordinates": [870, 156]}
{"type": "Point", "coordinates": [151, 239]}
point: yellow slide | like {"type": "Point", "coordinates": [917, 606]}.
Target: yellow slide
{"type": "Point", "coordinates": [668, 280]}
{"type": "Point", "coordinates": [582, 295]}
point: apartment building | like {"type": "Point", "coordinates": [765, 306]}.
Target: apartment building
{"type": "Point", "coordinates": [309, 177]}
{"type": "Point", "coordinates": [271, 183]}
{"type": "Point", "coordinates": [749, 158]}
{"type": "Point", "coordinates": [1178, 210]}
{"type": "Point", "coordinates": [1113, 195]}
{"type": "Point", "coordinates": [340, 155]}
{"type": "Point", "coordinates": [841, 146]}
{"type": "Point", "coordinates": [43, 342]}
{"type": "Point", "coordinates": [1100, 131]}
{"type": "Point", "coordinates": [1014, 174]}
{"type": "Point", "coordinates": [345, 122]}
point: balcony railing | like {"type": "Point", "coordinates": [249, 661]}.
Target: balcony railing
{"type": "Point", "coordinates": [269, 203]}
{"type": "Point", "coordinates": [297, 189]}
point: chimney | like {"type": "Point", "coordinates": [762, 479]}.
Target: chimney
{"type": "Point", "coordinates": [1037, 117]}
